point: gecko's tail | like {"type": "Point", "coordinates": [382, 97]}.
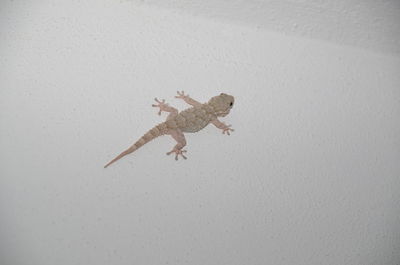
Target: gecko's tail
{"type": "Point", "coordinates": [155, 132]}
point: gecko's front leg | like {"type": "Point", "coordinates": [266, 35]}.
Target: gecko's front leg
{"type": "Point", "coordinates": [187, 99]}
{"type": "Point", "coordinates": [181, 142]}
{"type": "Point", "coordinates": [220, 125]}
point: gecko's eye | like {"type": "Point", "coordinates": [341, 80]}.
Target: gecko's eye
{"type": "Point", "coordinates": [231, 104]}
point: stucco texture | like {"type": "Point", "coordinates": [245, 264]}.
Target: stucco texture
{"type": "Point", "coordinates": [310, 175]}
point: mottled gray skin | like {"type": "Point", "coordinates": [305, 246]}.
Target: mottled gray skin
{"type": "Point", "coordinates": [193, 119]}
{"type": "Point", "coordinates": [188, 121]}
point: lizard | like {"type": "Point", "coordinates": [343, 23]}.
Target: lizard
{"type": "Point", "coordinates": [190, 120]}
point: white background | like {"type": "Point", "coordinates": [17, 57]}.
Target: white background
{"type": "Point", "coordinates": [310, 175]}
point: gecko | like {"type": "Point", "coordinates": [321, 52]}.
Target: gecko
{"type": "Point", "coordinates": [190, 120]}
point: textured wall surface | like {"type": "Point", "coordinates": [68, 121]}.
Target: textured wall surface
{"type": "Point", "coordinates": [366, 24]}
{"type": "Point", "coordinates": [310, 176]}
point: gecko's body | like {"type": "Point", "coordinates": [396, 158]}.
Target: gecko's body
{"type": "Point", "coordinates": [188, 121]}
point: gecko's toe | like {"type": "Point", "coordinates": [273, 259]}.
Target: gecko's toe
{"type": "Point", "coordinates": [178, 153]}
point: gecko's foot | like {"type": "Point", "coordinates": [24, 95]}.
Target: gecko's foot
{"type": "Point", "coordinates": [227, 129]}
{"type": "Point", "coordinates": [161, 104]}
{"type": "Point", "coordinates": [177, 153]}
{"type": "Point", "coordinates": [181, 95]}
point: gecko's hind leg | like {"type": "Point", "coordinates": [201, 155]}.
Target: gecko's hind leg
{"type": "Point", "coordinates": [181, 142]}
{"type": "Point", "coordinates": [165, 107]}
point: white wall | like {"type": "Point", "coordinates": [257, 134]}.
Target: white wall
{"type": "Point", "coordinates": [310, 176]}
{"type": "Point", "coordinates": [367, 24]}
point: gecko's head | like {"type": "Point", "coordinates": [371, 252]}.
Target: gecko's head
{"type": "Point", "coordinates": [222, 104]}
